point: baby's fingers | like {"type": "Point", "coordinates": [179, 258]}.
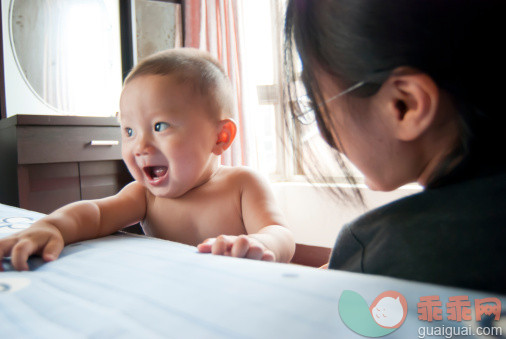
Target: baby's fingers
{"type": "Point", "coordinates": [268, 256]}
{"type": "Point", "coordinates": [52, 250]}
{"type": "Point", "coordinates": [223, 245]}
{"type": "Point", "coordinates": [6, 246]}
{"type": "Point", "coordinates": [240, 247]}
{"type": "Point", "coordinates": [206, 246]}
{"type": "Point", "coordinates": [255, 252]}
{"type": "Point", "coordinates": [245, 247]}
{"type": "Point", "coordinates": [20, 253]}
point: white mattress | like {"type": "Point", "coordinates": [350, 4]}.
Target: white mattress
{"type": "Point", "coordinates": [125, 286]}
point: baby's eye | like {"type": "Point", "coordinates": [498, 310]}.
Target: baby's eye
{"type": "Point", "coordinates": [129, 132]}
{"type": "Point", "coordinates": [161, 126]}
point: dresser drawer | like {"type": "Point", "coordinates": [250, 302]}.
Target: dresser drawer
{"type": "Point", "coordinates": [52, 144]}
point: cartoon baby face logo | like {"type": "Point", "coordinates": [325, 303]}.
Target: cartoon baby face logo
{"type": "Point", "coordinates": [389, 309]}
{"type": "Point", "coordinates": [386, 313]}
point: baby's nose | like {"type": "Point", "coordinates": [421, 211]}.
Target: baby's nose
{"type": "Point", "coordinates": [144, 146]}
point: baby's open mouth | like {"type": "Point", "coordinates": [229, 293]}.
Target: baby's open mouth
{"type": "Point", "coordinates": [155, 172]}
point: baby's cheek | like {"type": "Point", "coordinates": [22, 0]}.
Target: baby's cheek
{"type": "Point", "coordinates": [134, 170]}
{"type": "Point", "coordinates": [136, 174]}
{"type": "Point", "coordinates": [185, 162]}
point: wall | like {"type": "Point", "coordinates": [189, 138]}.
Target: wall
{"type": "Point", "coordinates": [157, 27]}
{"type": "Point", "coordinates": [316, 217]}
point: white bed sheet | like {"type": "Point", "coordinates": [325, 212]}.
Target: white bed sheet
{"type": "Point", "coordinates": [126, 286]}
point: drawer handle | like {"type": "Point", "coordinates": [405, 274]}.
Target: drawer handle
{"type": "Point", "coordinates": [104, 143]}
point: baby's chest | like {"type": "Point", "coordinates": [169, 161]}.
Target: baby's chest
{"type": "Point", "coordinates": [192, 222]}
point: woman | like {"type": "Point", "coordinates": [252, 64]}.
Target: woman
{"type": "Point", "coordinates": [410, 91]}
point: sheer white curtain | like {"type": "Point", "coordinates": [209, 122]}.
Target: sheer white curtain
{"type": "Point", "coordinates": [212, 25]}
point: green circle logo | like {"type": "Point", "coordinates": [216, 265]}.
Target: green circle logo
{"type": "Point", "coordinates": [385, 315]}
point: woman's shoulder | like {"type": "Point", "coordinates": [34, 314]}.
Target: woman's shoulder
{"type": "Point", "coordinates": [468, 205]}
{"type": "Point", "coordinates": [452, 235]}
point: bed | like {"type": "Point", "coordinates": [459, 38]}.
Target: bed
{"type": "Point", "coordinates": [130, 286]}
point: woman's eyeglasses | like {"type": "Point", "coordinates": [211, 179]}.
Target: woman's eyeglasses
{"type": "Point", "coordinates": [305, 113]}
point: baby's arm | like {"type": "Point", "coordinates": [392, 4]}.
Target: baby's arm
{"type": "Point", "coordinates": [267, 238]}
{"type": "Point", "coordinates": [78, 221]}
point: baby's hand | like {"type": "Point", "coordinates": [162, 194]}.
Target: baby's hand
{"type": "Point", "coordinates": [41, 238]}
{"type": "Point", "coordinates": [241, 246]}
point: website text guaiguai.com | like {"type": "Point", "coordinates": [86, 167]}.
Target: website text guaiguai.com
{"type": "Point", "coordinates": [451, 331]}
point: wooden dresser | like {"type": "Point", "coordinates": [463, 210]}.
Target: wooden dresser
{"type": "Point", "coordinates": [49, 161]}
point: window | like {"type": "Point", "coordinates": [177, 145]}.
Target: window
{"type": "Point", "coordinates": [261, 84]}
{"type": "Point", "coordinates": [262, 39]}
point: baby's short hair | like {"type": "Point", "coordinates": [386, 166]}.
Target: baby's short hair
{"type": "Point", "coordinates": [194, 67]}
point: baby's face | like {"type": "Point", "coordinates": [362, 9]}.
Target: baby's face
{"type": "Point", "coordinates": [168, 135]}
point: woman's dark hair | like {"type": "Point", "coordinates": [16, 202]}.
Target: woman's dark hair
{"type": "Point", "coordinates": [456, 42]}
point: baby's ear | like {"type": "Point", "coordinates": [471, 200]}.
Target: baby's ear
{"type": "Point", "coordinates": [227, 130]}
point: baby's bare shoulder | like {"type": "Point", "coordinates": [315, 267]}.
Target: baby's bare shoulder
{"type": "Point", "coordinates": [132, 190]}
{"type": "Point", "coordinates": [245, 178]}
{"type": "Point", "coordinates": [240, 174]}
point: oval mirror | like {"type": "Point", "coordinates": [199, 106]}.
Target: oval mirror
{"type": "Point", "coordinates": [69, 53]}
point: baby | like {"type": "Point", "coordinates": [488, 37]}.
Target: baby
{"type": "Point", "coordinates": [175, 116]}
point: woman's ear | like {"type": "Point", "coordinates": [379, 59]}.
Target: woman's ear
{"type": "Point", "coordinates": [227, 130]}
{"type": "Point", "coordinates": [414, 100]}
